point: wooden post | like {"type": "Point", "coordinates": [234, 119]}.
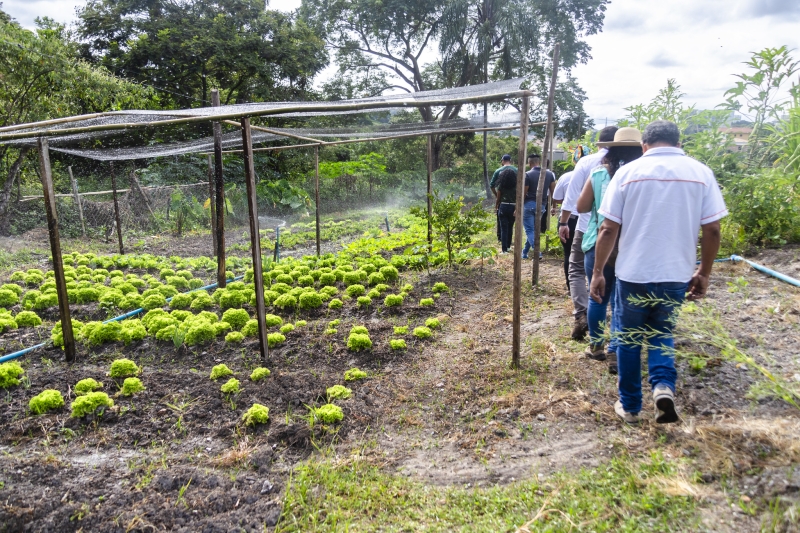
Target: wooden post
{"type": "Point", "coordinates": [55, 248]}
{"type": "Point", "coordinates": [116, 209]}
{"type": "Point", "coordinates": [522, 157]}
{"type": "Point", "coordinates": [255, 238]}
{"type": "Point", "coordinates": [316, 194]}
{"type": "Point", "coordinates": [138, 188]}
{"type": "Point", "coordinates": [430, 190]}
{"type": "Point", "coordinates": [546, 154]}
{"type": "Point", "coordinates": [212, 204]}
{"type": "Point", "coordinates": [77, 200]}
{"type": "Point", "coordinates": [219, 194]}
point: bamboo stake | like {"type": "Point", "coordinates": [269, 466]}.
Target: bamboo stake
{"type": "Point", "coordinates": [145, 198]}
{"type": "Point", "coordinates": [543, 169]}
{"type": "Point", "coordinates": [28, 198]}
{"type": "Point", "coordinates": [220, 194]}
{"type": "Point", "coordinates": [46, 175]}
{"type": "Point", "coordinates": [274, 132]}
{"type": "Point", "coordinates": [316, 194]}
{"type": "Point", "coordinates": [430, 190]}
{"type": "Point", "coordinates": [522, 157]}
{"type": "Point", "coordinates": [212, 203]}
{"type": "Point", "coordinates": [255, 238]}
{"type": "Point", "coordinates": [77, 200]}
{"type": "Point", "coordinates": [116, 209]}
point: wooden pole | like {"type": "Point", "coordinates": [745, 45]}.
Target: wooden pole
{"type": "Point", "coordinates": [212, 203]}
{"type": "Point", "coordinates": [255, 238]}
{"type": "Point", "coordinates": [316, 194]}
{"type": "Point", "coordinates": [219, 195]}
{"type": "Point", "coordinates": [77, 200]}
{"type": "Point", "coordinates": [546, 153]}
{"type": "Point", "coordinates": [522, 157]}
{"type": "Point", "coordinates": [116, 209]}
{"type": "Point", "coordinates": [430, 190]}
{"type": "Point", "coordinates": [138, 188]}
{"type": "Point", "coordinates": [55, 248]}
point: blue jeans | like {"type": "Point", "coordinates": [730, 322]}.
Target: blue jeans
{"type": "Point", "coordinates": [505, 214]}
{"type": "Point", "coordinates": [529, 223]}
{"type": "Point", "coordinates": [656, 317]}
{"type": "Point", "coordinates": [596, 312]}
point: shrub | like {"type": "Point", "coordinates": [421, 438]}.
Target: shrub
{"type": "Point", "coordinates": [397, 344]}
{"type": "Point", "coordinates": [354, 291]}
{"type": "Point", "coordinates": [440, 286]}
{"type": "Point", "coordinates": [90, 403]}
{"type": "Point", "coordinates": [274, 339]}
{"type": "Point", "coordinates": [131, 386]}
{"type": "Point", "coordinates": [310, 300]}
{"type": "Point", "coordinates": [9, 374]}
{"type": "Point", "coordinates": [123, 368]}
{"type": "Point", "coordinates": [393, 300]}
{"type": "Point", "coordinates": [202, 301]}
{"type": "Point", "coordinates": [234, 337]}
{"type": "Point", "coordinates": [236, 317]}
{"type": "Point", "coordinates": [230, 387]}
{"type": "Point", "coordinates": [8, 298]}
{"type": "Point", "coordinates": [336, 303]}
{"type": "Point", "coordinates": [257, 414]}
{"type": "Point", "coordinates": [338, 392]}
{"type": "Point", "coordinates": [401, 330]}
{"type": "Point", "coordinates": [47, 400]}
{"type": "Point", "coordinates": [86, 386]}
{"type": "Point", "coordinates": [423, 333]}
{"type": "Point", "coordinates": [433, 323]}
{"type": "Point", "coordinates": [287, 328]}
{"type": "Point", "coordinates": [327, 279]}
{"type": "Point", "coordinates": [220, 371]}
{"type": "Point", "coordinates": [426, 302]}
{"type": "Point", "coordinates": [359, 341]}
{"type": "Point", "coordinates": [285, 301]}
{"type": "Point", "coordinates": [328, 413]}
{"type": "Point", "coordinates": [181, 301]}
{"type": "Point", "coordinates": [259, 373]}
{"type": "Point", "coordinates": [154, 301]}
{"type": "Point", "coordinates": [27, 319]}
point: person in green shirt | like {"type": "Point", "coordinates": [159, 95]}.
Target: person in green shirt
{"type": "Point", "coordinates": [505, 162]}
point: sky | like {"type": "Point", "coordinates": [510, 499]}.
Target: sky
{"type": "Point", "coordinates": [700, 43]}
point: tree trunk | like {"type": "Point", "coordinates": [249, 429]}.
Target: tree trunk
{"type": "Point", "coordinates": [5, 194]}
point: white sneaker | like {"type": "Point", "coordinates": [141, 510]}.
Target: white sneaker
{"type": "Point", "coordinates": [664, 399]}
{"type": "Point", "coordinates": [630, 418]}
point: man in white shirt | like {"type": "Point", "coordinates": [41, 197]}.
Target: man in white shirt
{"type": "Point", "coordinates": [577, 271]}
{"type": "Point", "coordinates": [659, 201]}
{"type": "Point", "coordinates": [558, 199]}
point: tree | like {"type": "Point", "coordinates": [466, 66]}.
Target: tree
{"type": "Point", "coordinates": [42, 79]}
{"type": "Point", "coordinates": [388, 43]}
{"type": "Point", "coordinates": [190, 47]}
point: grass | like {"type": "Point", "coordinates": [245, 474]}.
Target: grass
{"type": "Point", "coordinates": [626, 494]}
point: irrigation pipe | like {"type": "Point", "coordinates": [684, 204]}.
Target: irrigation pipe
{"type": "Point", "coordinates": [765, 270]}
{"type": "Point", "coordinates": [20, 353]}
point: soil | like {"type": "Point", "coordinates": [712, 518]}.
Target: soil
{"type": "Point", "coordinates": [447, 411]}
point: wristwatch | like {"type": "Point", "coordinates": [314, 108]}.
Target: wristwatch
{"type": "Point", "coordinates": [562, 224]}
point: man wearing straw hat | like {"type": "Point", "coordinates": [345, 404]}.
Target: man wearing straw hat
{"type": "Point", "coordinates": [656, 204]}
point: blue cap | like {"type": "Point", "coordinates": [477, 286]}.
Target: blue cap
{"type": "Point", "coordinates": [506, 157]}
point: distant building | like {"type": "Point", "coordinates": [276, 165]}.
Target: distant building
{"type": "Point", "coordinates": [741, 136]}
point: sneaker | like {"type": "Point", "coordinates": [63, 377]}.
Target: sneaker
{"type": "Point", "coordinates": [581, 328]}
{"type": "Point", "coordinates": [595, 352]}
{"type": "Point", "coordinates": [630, 418]}
{"type": "Point", "coordinates": [611, 357]}
{"type": "Point", "coordinates": [524, 256]}
{"type": "Point", "coordinates": [664, 399]}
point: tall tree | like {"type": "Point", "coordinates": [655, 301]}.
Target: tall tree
{"type": "Point", "coordinates": [191, 46]}
{"type": "Point", "coordinates": [417, 46]}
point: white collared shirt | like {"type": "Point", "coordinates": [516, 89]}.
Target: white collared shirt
{"type": "Point", "coordinates": [561, 187]}
{"type": "Point", "coordinates": [661, 200]}
{"type": "Point", "coordinates": [581, 173]}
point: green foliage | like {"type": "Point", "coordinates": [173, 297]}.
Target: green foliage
{"type": "Point", "coordinates": [47, 400]}
{"type": "Point", "coordinates": [335, 303]}
{"type": "Point", "coordinates": [96, 333]}
{"type": "Point", "coordinates": [327, 279]}
{"type": "Point", "coordinates": [364, 301]}
{"type": "Point", "coordinates": [285, 301]}
{"type": "Point", "coordinates": [287, 328]}
{"type": "Point", "coordinates": [355, 291]}
{"type": "Point", "coordinates": [7, 322]}
{"type": "Point", "coordinates": [310, 300]}
{"type": "Point", "coordinates": [401, 330]}
{"type": "Point", "coordinates": [359, 341]}
{"type": "Point", "coordinates": [274, 339]}
{"type": "Point", "coordinates": [452, 224]}
{"type": "Point", "coordinates": [132, 330]}
{"type": "Point", "coordinates": [432, 323]}
{"type": "Point", "coordinates": [131, 386]}
{"type": "Point", "coordinates": [230, 299]}
{"type": "Point", "coordinates": [154, 301]}
{"type": "Point", "coordinates": [234, 337]}
{"type": "Point", "coordinates": [199, 329]}
{"type": "Point", "coordinates": [328, 413]}
{"type": "Point", "coordinates": [300, 323]}
{"type": "Point", "coordinates": [230, 387]}
{"type": "Point", "coordinates": [8, 298]}
{"type": "Point", "coordinates": [201, 301]}
{"type": "Point", "coordinates": [123, 368]}
{"type": "Point", "coordinates": [397, 344]}
{"type": "Point", "coordinates": [423, 332]}
{"type": "Point", "coordinates": [338, 392]}
{"type": "Point", "coordinates": [440, 286]}
{"type": "Point", "coordinates": [390, 273]}
{"type": "Point", "coordinates": [90, 403]}
{"type": "Point", "coordinates": [181, 301]}
{"type": "Point", "coordinates": [86, 386]}
{"type": "Point", "coordinates": [57, 334]}
{"type": "Point", "coordinates": [45, 301]}
{"type": "Point", "coordinates": [257, 414]}
{"type": "Point", "coordinates": [220, 371]}
{"type": "Point", "coordinates": [237, 318]}
{"type": "Point", "coordinates": [259, 373]}
{"type": "Point", "coordinates": [354, 374]}
{"type": "Point", "coordinates": [9, 374]}
{"type": "Point", "coordinates": [28, 319]}
{"type": "Point", "coordinates": [426, 302]}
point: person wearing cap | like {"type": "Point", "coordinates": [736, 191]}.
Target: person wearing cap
{"type": "Point", "coordinates": [505, 162]}
{"type": "Point", "coordinates": [577, 271]}
{"type": "Point", "coordinates": [656, 205]}
{"type": "Point", "coordinates": [506, 205]}
{"type": "Point", "coordinates": [626, 147]}
{"type": "Point", "coordinates": [529, 211]}
{"type": "Point", "coordinates": [558, 199]}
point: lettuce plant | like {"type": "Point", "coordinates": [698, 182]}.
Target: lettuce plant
{"type": "Point", "coordinates": [220, 371]}
{"type": "Point", "coordinates": [47, 400]}
{"type": "Point", "coordinates": [86, 386]}
{"type": "Point", "coordinates": [259, 373]}
{"type": "Point", "coordinates": [338, 392]}
{"type": "Point", "coordinates": [257, 414]}
{"type": "Point", "coordinates": [90, 403]}
{"type": "Point", "coordinates": [123, 368]}
{"type": "Point", "coordinates": [131, 386]}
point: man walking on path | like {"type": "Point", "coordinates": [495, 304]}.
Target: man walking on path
{"type": "Point", "coordinates": [577, 270]}
{"type": "Point", "coordinates": [558, 199]}
{"type": "Point", "coordinates": [660, 201]}
{"type": "Point", "coordinates": [505, 162]}
{"type": "Point", "coordinates": [529, 210]}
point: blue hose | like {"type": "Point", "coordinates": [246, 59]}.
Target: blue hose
{"type": "Point", "coordinates": [129, 314]}
{"type": "Point", "coordinates": [765, 270]}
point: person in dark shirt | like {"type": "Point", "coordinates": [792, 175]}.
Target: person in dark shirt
{"type": "Point", "coordinates": [506, 205]}
{"type": "Point", "coordinates": [505, 163]}
{"type": "Point", "coordinates": [529, 211]}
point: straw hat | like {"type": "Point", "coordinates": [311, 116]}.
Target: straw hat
{"type": "Point", "coordinates": [624, 137]}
